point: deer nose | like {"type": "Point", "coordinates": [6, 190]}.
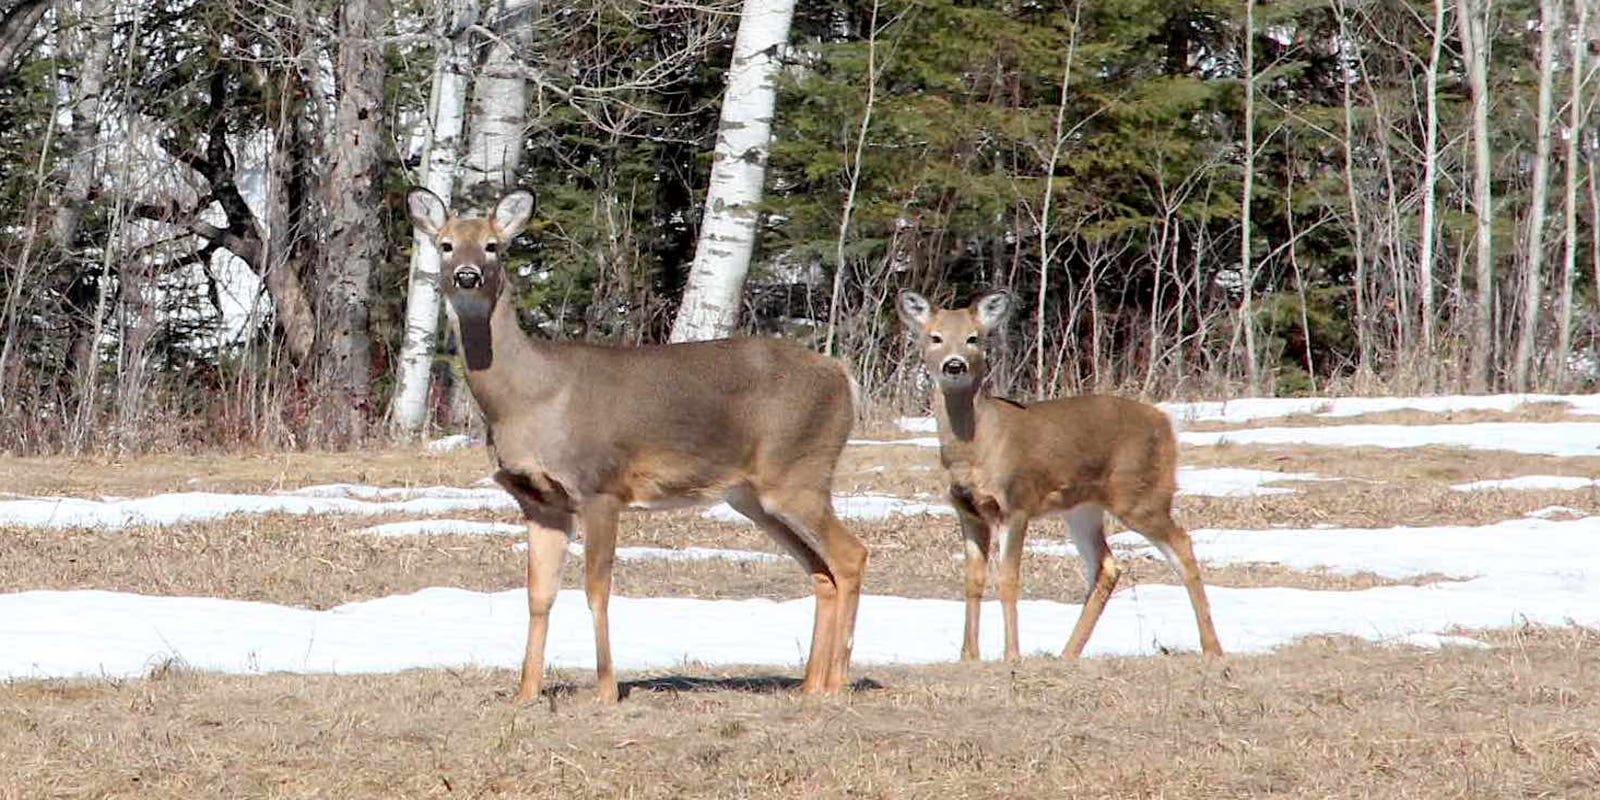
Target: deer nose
{"type": "Point", "coordinates": [468, 278]}
{"type": "Point", "coordinates": [954, 367]}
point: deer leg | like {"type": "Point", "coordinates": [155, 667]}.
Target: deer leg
{"type": "Point", "coordinates": [1175, 545]}
{"type": "Point", "coordinates": [823, 586]}
{"type": "Point", "coordinates": [599, 552]}
{"type": "Point", "coordinates": [547, 548]}
{"type": "Point", "coordinates": [1086, 525]}
{"type": "Point", "coordinates": [975, 535]}
{"type": "Point", "coordinates": [846, 557]}
{"type": "Point", "coordinates": [1011, 581]}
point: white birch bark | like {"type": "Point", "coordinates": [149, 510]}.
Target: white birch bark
{"type": "Point", "coordinates": [1430, 157]}
{"type": "Point", "coordinates": [92, 43]}
{"type": "Point", "coordinates": [499, 107]}
{"type": "Point", "coordinates": [1575, 133]}
{"type": "Point", "coordinates": [1246, 268]}
{"type": "Point", "coordinates": [1475, 55]}
{"type": "Point", "coordinates": [739, 166]}
{"type": "Point", "coordinates": [441, 155]}
{"type": "Point", "coordinates": [1533, 266]}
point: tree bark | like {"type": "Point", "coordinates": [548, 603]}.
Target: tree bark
{"type": "Point", "coordinates": [1474, 49]}
{"type": "Point", "coordinates": [1430, 158]}
{"type": "Point", "coordinates": [16, 31]}
{"type": "Point", "coordinates": [1533, 265]}
{"type": "Point", "coordinates": [1575, 132]}
{"type": "Point", "coordinates": [356, 235]}
{"type": "Point", "coordinates": [441, 155]}
{"type": "Point", "coordinates": [1246, 268]}
{"type": "Point", "coordinates": [93, 49]}
{"type": "Point", "coordinates": [499, 112]}
{"type": "Point", "coordinates": [728, 232]}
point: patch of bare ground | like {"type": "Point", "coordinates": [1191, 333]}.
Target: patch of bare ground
{"type": "Point", "coordinates": [1328, 718]}
{"type": "Point", "coordinates": [238, 472]}
{"type": "Point", "coordinates": [1528, 412]}
{"type": "Point", "coordinates": [319, 562]}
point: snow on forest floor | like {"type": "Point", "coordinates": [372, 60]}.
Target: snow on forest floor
{"type": "Point", "coordinates": [1518, 571]}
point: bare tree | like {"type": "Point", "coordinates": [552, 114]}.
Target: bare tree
{"type": "Point", "coordinates": [441, 156]}
{"type": "Point", "coordinates": [1577, 115]}
{"type": "Point", "coordinates": [854, 181]}
{"type": "Point", "coordinates": [1430, 159]}
{"type": "Point", "coordinates": [17, 26]}
{"type": "Point", "coordinates": [1473, 23]}
{"type": "Point", "coordinates": [710, 304]}
{"type": "Point", "coordinates": [356, 230]}
{"type": "Point", "coordinates": [1533, 262]}
{"type": "Point", "coordinates": [499, 112]}
{"type": "Point", "coordinates": [1247, 274]}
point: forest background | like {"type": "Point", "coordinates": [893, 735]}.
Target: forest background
{"type": "Point", "coordinates": [203, 239]}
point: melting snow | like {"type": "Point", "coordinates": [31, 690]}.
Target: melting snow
{"type": "Point", "coordinates": [1529, 482]}
{"type": "Point", "coordinates": [1539, 438]}
{"type": "Point", "coordinates": [1539, 571]}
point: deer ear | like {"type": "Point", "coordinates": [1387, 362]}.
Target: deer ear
{"type": "Point", "coordinates": [915, 310]}
{"type": "Point", "coordinates": [991, 309]}
{"type": "Point", "coordinates": [512, 213]}
{"type": "Point", "coordinates": [427, 211]}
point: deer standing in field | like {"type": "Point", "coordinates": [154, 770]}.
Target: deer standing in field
{"type": "Point", "coordinates": [1009, 463]}
{"type": "Point", "coordinates": [581, 432]}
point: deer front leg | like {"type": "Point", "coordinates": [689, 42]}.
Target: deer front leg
{"type": "Point", "coordinates": [547, 549]}
{"type": "Point", "coordinates": [975, 536]}
{"type": "Point", "coordinates": [599, 552]}
{"type": "Point", "coordinates": [1011, 580]}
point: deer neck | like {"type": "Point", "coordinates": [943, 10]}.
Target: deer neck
{"type": "Point", "coordinates": [507, 371]}
{"type": "Point", "coordinates": [960, 415]}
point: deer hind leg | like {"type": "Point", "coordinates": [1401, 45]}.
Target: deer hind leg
{"type": "Point", "coordinates": [1174, 544]}
{"type": "Point", "coordinates": [1011, 581]}
{"type": "Point", "coordinates": [811, 510]}
{"type": "Point", "coordinates": [599, 554]}
{"type": "Point", "coordinates": [1086, 526]}
{"type": "Point", "coordinates": [547, 549]}
{"type": "Point", "coordinates": [823, 586]}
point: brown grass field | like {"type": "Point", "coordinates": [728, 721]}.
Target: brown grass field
{"type": "Point", "coordinates": [1328, 717]}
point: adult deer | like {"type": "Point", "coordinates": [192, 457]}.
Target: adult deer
{"type": "Point", "coordinates": [582, 432]}
{"type": "Point", "coordinates": [1010, 463]}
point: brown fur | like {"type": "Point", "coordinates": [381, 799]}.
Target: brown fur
{"type": "Point", "coordinates": [1009, 463]}
{"type": "Point", "coordinates": [581, 432]}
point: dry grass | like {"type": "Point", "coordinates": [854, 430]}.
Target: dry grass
{"type": "Point", "coordinates": [1325, 719]}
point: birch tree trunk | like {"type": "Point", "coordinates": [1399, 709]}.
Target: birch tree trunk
{"type": "Point", "coordinates": [499, 113]}
{"type": "Point", "coordinates": [441, 154]}
{"type": "Point", "coordinates": [356, 231]}
{"type": "Point", "coordinates": [1575, 133]}
{"type": "Point", "coordinates": [1430, 157]}
{"type": "Point", "coordinates": [1474, 52]}
{"type": "Point", "coordinates": [710, 304]}
{"type": "Point", "coordinates": [1246, 268]}
{"type": "Point", "coordinates": [16, 31]}
{"type": "Point", "coordinates": [1532, 284]}
{"type": "Point", "coordinates": [93, 46]}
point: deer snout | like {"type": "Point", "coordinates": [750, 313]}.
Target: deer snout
{"type": "Point", "coordinates": [468, 278]}
{"type": "Point", "coordinates": [954, 367]}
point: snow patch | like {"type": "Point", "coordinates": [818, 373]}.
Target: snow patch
{"type": "Point", "coordinates": [441, 527]}
{"type": "Point", "coordinates": [1537, 438]}
{"type": "Point", "coordinates": [455, 441]}
{"type": "Point", "coordinates": [1528, 482]}
{"type": "Point", "coordinates": [853, 506]}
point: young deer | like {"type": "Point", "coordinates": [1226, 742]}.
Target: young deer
{"type": "Point", "coordinates": [582, 432]}
{"type": "Point", "coordinates": [1009, 463]}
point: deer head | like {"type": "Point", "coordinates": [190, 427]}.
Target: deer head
{"type": "Point", "coordinates": [471, 274]}
{"type": "Point", "coordinates": [951, 340]}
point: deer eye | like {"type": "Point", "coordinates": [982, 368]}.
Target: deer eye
{"type": "Point", "coordinates": [445, 247]}
{"type": "Point", "coordinates": [972, 339]}
{"type": "Point", "coordinates": [491, 247]}
{"type": "Point", "coordinates": [935, 338]}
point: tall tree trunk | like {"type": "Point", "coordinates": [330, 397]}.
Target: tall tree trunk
{"type": "Point", "coordinates": [1533, 265]}
{"type": "Point", "coordinates": [1357, 230]}
{"type": "Point", "coordinates": [1575, 133]}
{"type": "Point", "coordinates": [854, 183]}
{"type": "Point", "coordinates": [90, 44]}
{"type": "Point", "coordinates": [356, 231]}
{"type": "Point", "coordinates": [1058, 136]}
{"type": "Point", "coordinates": [441, 154]}
{"type": "Point", "coordinates": [1246, 267]}
{"type": "Point", "coordinates": [16, 31]}
{"type": "Point", "coordinates": [728, 232]}
{"type": "Point", "coordinates": [499, 112]}
{"type": "Point", "coordinates": [1475, 55]}
{"type": "Point", "coordinates": [1430, 158]}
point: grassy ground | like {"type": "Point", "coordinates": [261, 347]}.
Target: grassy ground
{"type": "Point", "coordinates": [1326, 718]}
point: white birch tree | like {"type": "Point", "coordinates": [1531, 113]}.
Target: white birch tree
{"type": "Point", "coordinates": [1533, 263]}
{"type": "Point", "coordinates": [1430, 172]}
{"type": "Point", "coordinates": [441, 155]}
{"type": "Point", "coordinates": [728, 231]}
{"type": "Point", "coordinates": [1247, 273]}
{"type": "Point", "coordinates": [499, 114]}
{"type": "Point", "coordinates": [1472, 20]}
{"type": "Point", "coordinates": [1576, 118]}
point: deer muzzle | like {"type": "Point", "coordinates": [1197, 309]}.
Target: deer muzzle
{"type": "Point", "coordinates": [468, 278]}
{"type": "Point", "coordinates": [954, 367]}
